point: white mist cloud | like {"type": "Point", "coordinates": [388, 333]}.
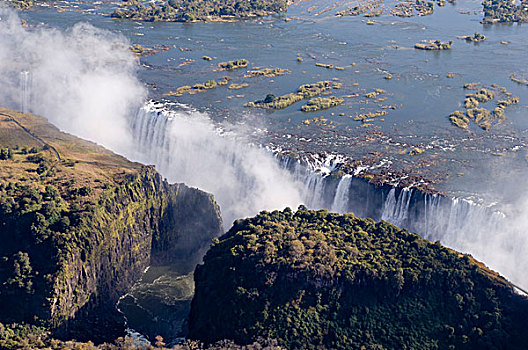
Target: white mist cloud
{"type": "Point", "coordinates": [83, 80]}
{"type": "Point", "coordinates": [185, 147]}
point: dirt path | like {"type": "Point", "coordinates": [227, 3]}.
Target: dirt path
{"type": "Point", "coordinates": [36, 137]}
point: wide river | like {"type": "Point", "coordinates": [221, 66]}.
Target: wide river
{"type": "Point", "coordinates": [425, 88]}
{"type": "Point", "coordinates": [417, 92]}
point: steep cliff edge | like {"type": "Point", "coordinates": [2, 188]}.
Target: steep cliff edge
{"type": "Point", "coordinates": [319, 280]}
{"type": "Point", "coordinates": [79, 225]}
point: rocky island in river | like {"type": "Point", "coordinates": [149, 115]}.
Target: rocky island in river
{"type": "Point", "coordinates": [199, 10]}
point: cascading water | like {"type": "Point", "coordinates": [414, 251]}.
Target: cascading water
{"type": "Point", "coordinates": [25, 84]}
{"type": "Point", "coordinates": [396, 210]}
{"type": "Point", "coordinates": [341, 198]}
{"type": "Point", "coordinates": [185, 147]}
{"type": "Point", "coordinates": [84, 81]}
{"type": "Point", "coordinates": [458, 223]}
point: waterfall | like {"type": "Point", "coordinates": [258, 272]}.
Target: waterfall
{"type": "Point", "coordinates": [341, 198]}
{"type": "Point", "coordinates": [314, 190]}
{"type": "Point", "coordinates": [186, 147]}
{"type": "Point", "coordinates": [486, 233]}
{"type": "Point", "coordinates": [25, 91]}
{"type": "Point", "coordinates": [87, 85]}
{"type": "Point", "coordinates": [396, 209]}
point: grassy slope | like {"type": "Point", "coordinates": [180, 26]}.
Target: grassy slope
{"type": "Point", "coordinates": [92, 162]}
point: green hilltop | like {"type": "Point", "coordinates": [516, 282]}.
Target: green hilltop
{"type": "Point", "coordinates": [319, 280]}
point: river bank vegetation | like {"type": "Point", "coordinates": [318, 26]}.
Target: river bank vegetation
{"type": "Point", "coordinates": [198, 10]}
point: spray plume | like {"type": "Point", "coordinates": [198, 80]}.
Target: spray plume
{"type": "Point", "coordinates": [84, 81]}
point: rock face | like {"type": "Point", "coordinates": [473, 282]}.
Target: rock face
{"type": "Point", "coordinates": [317, 280]}
{"type": "Point", "coordinates": [79, 225]}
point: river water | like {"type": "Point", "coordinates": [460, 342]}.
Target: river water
{"type": "Point", "coordinates": [186, 146]}
{"type": "Point", "coordinates": [460, 162]}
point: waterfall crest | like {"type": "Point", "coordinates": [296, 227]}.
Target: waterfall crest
{"type": "Point", "coordinates": [84, 81]}
{"type": "Point", "coordinates": [186, 147]}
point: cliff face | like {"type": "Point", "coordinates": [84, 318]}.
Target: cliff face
{"type": "Point", "coordinates": [318, 280]}
{"type": "Point", "coordinates": [80, 226]}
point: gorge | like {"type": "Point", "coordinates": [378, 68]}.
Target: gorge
{"type": "Point", "coordinates": [85, 81]}
{"type": "Point", "coordinates": [186, 146]}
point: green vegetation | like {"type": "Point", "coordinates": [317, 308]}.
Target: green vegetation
{"type": "Point", "coordinates": [416, 151]}
{"type": "Point", "coordinates": [235, 86]}
{"type": "Point", "coordinates": [224, 81]}
{"type": "Point", "coordinates": [198, 10]}
{"type": "Point", "coordinates": [318, 280]}
{"type": "Point", "coordinates": [370, 5]}
{"type": "Point", "coordinates": [311, 90]}
{"type": "Point", "coordinates": [482, 96]}
{"type": "Point", "coordinates": [458, 118]}
{"type": "Point", "coordinates": [22, 336]}
{"type": "Point", "coordinates": [505, 11]}
{"type": "Point", "coordinates": [20, 4]}
{"type": "Point", "coordinates": [483, 117]}
{"type": "Point", "coordinates": [476, 38]}
{"type": "Point", "coordinates": [142, 51]}
{"type": "Point", "coordinates": [276, 102]}
{"type": "Point", "coordinates": [319, 103]}
{"type": "Point", "coordinates": [413, 8]}
{"type": "Point", "coordinates": [407, 8]}
{"type": "Point", "coordinates": [236, 64]}
{"type": "Point", "coordinates": [79, 225]}
{"type": "Point", "coordinates": [305, 91]}
{"type": "Point", "coordinates": [375, 93]}
{"type": "Point", "coordinates": [6, 153]}
{"type": "Point", "coordinates": [266, 72]}
{"type": "Point", "coordinates": [353, 11]}
{"type": "Point", "coordinates": [368, 117]}
{"type": "Point", "coordinates": [208, 85]}
{"type": "Point", "coordinates": [433, 45]}
{"type": "Point", "coordinates": [470, 102]}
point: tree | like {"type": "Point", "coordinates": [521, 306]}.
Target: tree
{"type": "Point", "coordinates": [21, 272]}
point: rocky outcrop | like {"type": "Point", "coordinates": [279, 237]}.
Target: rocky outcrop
{"type": "Point", "coordinates": [81, 228]}
{"type": "Point", "coordinates": [144, 221]}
